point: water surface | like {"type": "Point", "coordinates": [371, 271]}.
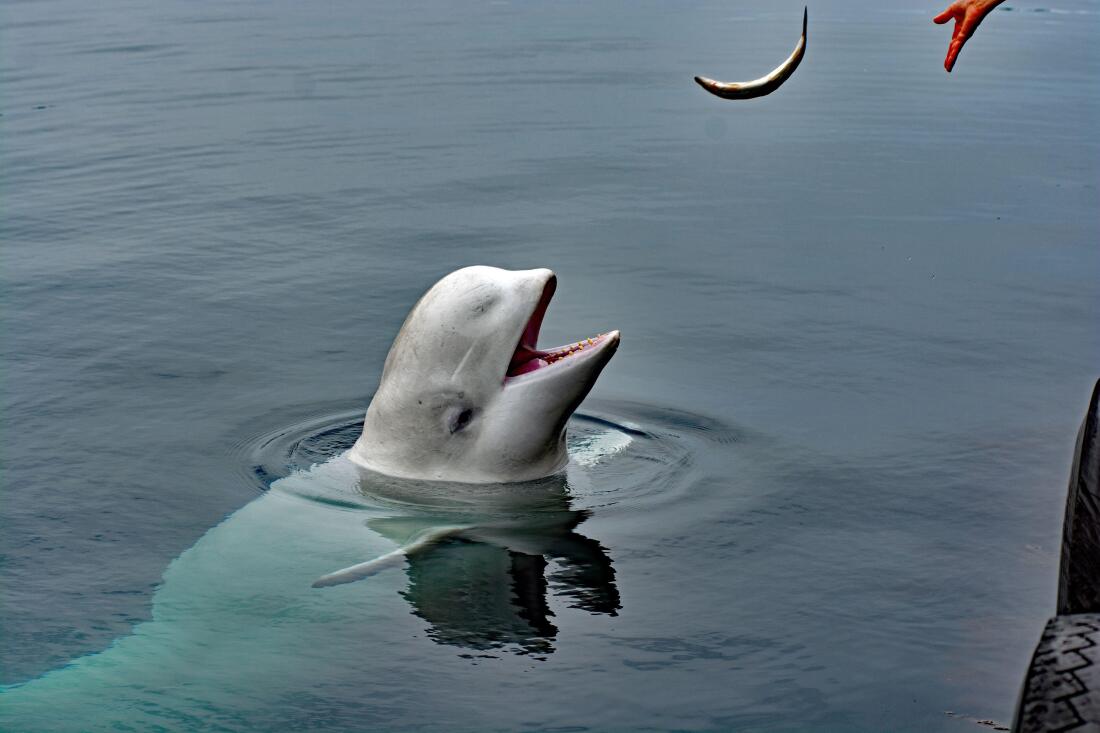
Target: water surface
{"type": "Point", "coordinates": [860, 316]}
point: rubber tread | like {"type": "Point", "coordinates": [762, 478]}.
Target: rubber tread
{"type": "Point", "coordinates": [1061, 693]}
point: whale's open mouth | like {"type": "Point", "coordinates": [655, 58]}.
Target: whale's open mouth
{"type": "Point", "coordinates": [528, 358]}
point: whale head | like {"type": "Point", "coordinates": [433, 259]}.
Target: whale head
{"type": "Point", "coordinates": [467, 395]}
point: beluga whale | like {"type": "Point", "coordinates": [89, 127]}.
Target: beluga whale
{"type": "Point", "coordinates": [466, 393]}
{"type": "Point", "coordinates": [461, 465]}
{"type": "Point", "coordinates": [764, 85]}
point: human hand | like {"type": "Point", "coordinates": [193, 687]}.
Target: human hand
{"type": "Point", "coordinates": [967, 14]}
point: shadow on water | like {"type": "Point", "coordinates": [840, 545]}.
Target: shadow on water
{"type": "Point", "coordinates": [502, 551]}
{"type": "Point", "coordinates": [487, 589]}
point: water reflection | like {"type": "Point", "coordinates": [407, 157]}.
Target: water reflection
{"type": "Point", "coordinates": [484, 561]}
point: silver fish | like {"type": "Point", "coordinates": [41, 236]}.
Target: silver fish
{"type": "Point", "coordinates": [764, 85]}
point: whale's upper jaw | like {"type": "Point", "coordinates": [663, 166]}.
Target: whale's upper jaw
{"type": "Point", "coordinates": [529, 362]}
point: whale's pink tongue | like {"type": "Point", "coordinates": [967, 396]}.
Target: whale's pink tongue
{"type": "Point", "coordinates": [525, 360]}
{"type": "Point", "coordinates": [529, 366]}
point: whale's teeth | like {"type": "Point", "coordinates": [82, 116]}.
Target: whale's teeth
{"type": "Point", "coordinates": [551, 357]}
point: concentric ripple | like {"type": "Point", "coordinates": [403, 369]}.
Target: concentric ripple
{"type": "Point", "coordinates": [622, 454]}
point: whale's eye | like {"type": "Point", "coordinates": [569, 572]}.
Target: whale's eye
{"type": "Point", "coordinates": [460, 419]}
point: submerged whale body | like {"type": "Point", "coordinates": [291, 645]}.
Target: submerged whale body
{"type": "Point", "coordinates": [238, 621]}
{"type": "Point", "coordinates": [237, 626]}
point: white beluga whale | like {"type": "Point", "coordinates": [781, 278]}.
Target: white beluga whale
{"type": "Point", "coordinates": [466, 393]}
{"type": "Point", "coordinates": [247, 617]}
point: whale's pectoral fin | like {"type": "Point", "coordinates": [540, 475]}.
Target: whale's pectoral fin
{"type": "Point", "coordinates": [421, 542]}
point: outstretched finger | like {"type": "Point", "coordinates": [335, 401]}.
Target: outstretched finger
{"type": "Point", "coordinates": [964, 29]}
{"type": "Point", "coordinates": [953, 51]}
{"type": "Point", "coordinates": [944, 16]}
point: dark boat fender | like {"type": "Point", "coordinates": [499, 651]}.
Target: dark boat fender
{"type": "Point", "coordinates": [1061, 691]}
{"type": "Point", "coordinates": [1079, 577]}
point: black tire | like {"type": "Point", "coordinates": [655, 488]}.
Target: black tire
{"type": "Point", "coordinates": [1062, 689]}
{"type": "Point", "coordinates": [1079, 574]}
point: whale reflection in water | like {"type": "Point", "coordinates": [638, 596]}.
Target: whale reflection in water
{"type": "Point", "coordinates": [483, 560]}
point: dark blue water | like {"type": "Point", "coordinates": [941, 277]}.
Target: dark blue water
{"type": "Point", "coordinates": [859, 329]}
